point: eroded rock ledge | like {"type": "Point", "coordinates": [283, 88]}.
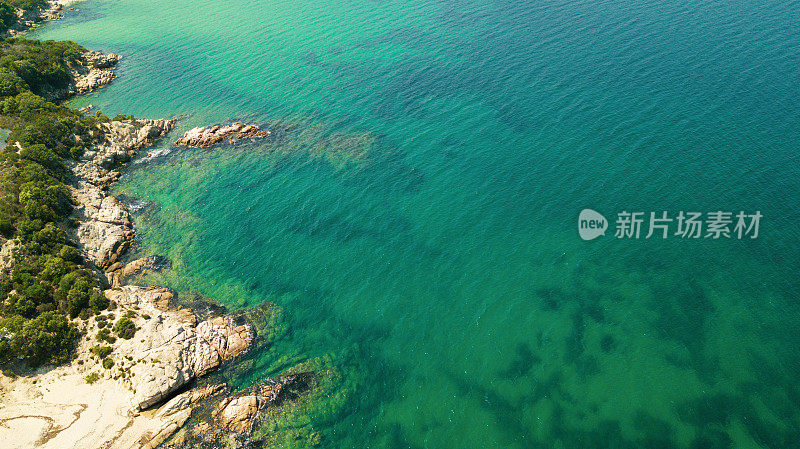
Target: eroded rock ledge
{"type": "Point", "coordinates": [211, 135]}
{"type": "Point", "coordinates": [232, 420]}
{"type": "Point", "coordinates": [105, 230]}
{"type": "Point", "coordinates": [94, 71]}
{"type": "Point", "coordinates": [171, 348]}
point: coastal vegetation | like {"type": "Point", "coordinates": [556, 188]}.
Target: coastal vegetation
{"type": "Point", "coordinates": [8, 15]}
{"type": "Point", "coordinates": [48, 286]}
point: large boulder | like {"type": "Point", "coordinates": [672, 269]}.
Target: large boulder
{"type": "Point", "coordinates": [236, 415]}
{"type": "Point", "coordinates": [170, 348]}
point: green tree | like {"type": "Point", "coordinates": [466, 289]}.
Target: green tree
{"type": "Point", "coordinates": [48, 338]}
{"type": "Point", "coordinates": [10, 83]}
{"type": "Point", "coordinates": [97, 300]}
{"type": "Point", "coordinates": [125, 328]}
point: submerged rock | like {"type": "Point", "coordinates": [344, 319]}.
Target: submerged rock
{"type": "Point", "coordinates": [210, 135]}
{"type": "Point", "coordinates": [236, 415]}
{"type": "Point", "coordinates": [118, 273]}
{"type": "Point", "coordinates": [231, 424]}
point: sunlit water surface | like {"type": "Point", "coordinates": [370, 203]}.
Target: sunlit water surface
{"type": "Point", "coordinates": [416, 215]}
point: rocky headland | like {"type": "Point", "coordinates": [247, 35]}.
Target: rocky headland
{"type": "Point", "coordinates": [138, 386]}
{"type": "Point", "coordinates": [28, 18]}
{"type": "Point", "coordinates": [96, 403]}
{"type": "Point", "coordinates": [93, 70]}
{"type": "Point", "coordinates": [88, 72]}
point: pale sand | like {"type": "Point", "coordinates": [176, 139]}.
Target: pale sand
{"type": "Point", "coordinates": [62, 411]}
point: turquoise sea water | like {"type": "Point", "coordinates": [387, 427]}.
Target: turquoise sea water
{"type": "Point", "coordinates": [416, 214]}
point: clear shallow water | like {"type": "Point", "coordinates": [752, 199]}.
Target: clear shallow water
{"type": "Point", "coordinates": [441, 274]}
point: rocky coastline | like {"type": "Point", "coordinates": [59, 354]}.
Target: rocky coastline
{"type": "Point", "coordinates": [93, 70]}
{"type": "Point", "coordinates": [90, 71]}
{"type": "Point", "coordinates": [169, 351]}
{"type": "Point", "coordinates": [30, 18]}
{"type": "Point", "coordinates": [142, 394]}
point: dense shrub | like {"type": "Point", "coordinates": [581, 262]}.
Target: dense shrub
{"type": "Point", "coordinates": [48, 283]}
{"type": "Point", "coordinates": [102, 351]}
{"type": "Point", "coordinates": [92, 378]}
{"type": "Point", "coordinates": [8, 17]}
{"type": "Point", "coordinates": [105, 335]}
{"type": "Point", "coordinates": [10, 83]}
{"type": "Point", "coordinates": [48, 338]}
{"type": "Point", "coordinates": [97, 300]}
{"type": "Point", "coordinates": [26, 4]}
{"type": "Point", "coordinates": [42, 65]}
{"type": "Point", "coordinates": [125, 328]}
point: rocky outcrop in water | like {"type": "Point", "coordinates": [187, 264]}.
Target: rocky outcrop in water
{"type": "Point", "coordinates": [105, 230]}
{"type": "Point", "coordinates": [118, 273]}
{"type": "Point", "coordinates": [236, 415]}
{"type": "Point", "coordinates": [230, 424]}
{"type": "Point", "coordinates": [211, 135]}
{"type": "Point", "coordinates": [123, 140]}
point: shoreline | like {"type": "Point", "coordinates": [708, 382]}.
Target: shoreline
{"type": "Point", "coordinates": [141, 399]}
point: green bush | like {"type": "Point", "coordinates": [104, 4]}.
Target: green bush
{"type": "Point", "coordinates": [105, 335]}
{"type": "Point", "coordinates": [108, 363]}
{"type": "Point", "coordinates": [10, 83]}
{"type": "Point", "coordinates": [70, 254]}
{"type": "Point", "coordinates": [125, 328]}
{"type": "Point", "coordinates": [55, 268]}
{"type": "Point", "coordinates": [41, 64]}
{"type": "Point", "coordinates": [26, 4]}
{"type": "Point", "coordinates": [44, 202]}
{"type": "Point", "coordinates": [40, 154]}
{"type": "Point", "coordinates": [102, 351]}
{"type": "Point", "coordinates": [6, 227]}
{"type": "Point", "coordinates": [92, 378]}
{"type": "Point", "coordinates": [97, 300]}
{"type": "Point", "coordinates": [101, 117]}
